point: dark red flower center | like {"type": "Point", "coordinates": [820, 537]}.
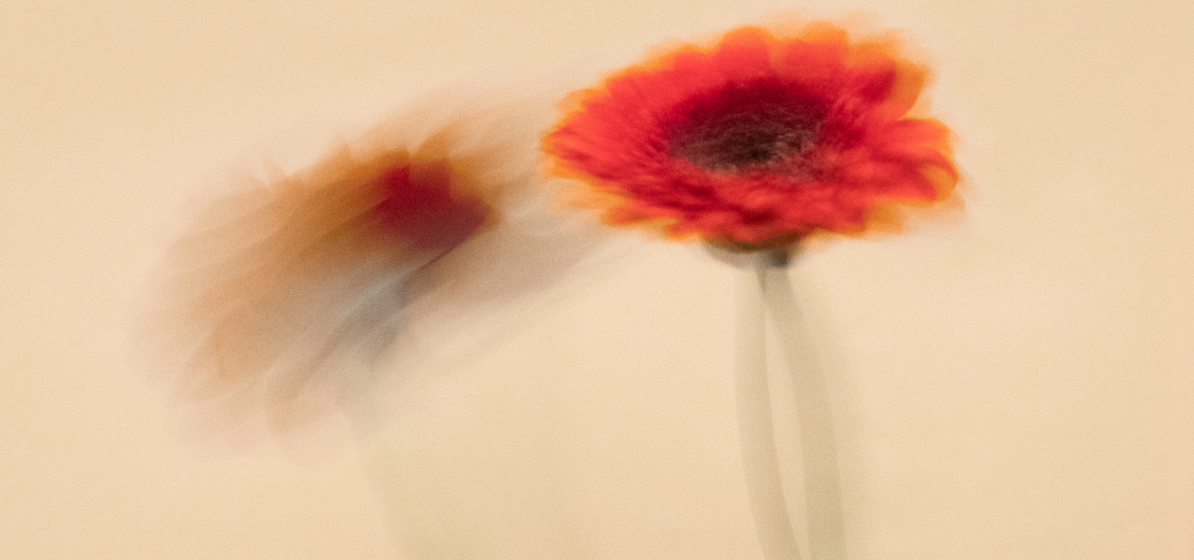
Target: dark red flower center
{"type": "Point", "coordinates": [421, 206]}
{"type": "Point", "coordinates": [745, 126]}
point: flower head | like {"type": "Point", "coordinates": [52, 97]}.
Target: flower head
{"type": "Point", "coordinates": [279, 297]}
{"type": "Point", "coordinates": [758, 140]}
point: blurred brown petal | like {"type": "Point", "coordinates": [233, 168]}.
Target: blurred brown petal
{"type": "Point", "coordinates": [283, 298]}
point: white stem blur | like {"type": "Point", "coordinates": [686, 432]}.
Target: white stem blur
{"type": "Point", "coordinates": [823, 499]}
{"type": "Point", "coordinates": [756, 434]}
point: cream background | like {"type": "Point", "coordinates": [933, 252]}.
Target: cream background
{"type": "Point", "coordinates": [1016, 387]}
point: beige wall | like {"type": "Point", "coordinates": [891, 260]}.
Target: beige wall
{"type": "Point", "coordinates": [1016, 387]}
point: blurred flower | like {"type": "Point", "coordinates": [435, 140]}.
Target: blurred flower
{"type": "Point", "coordinates": [758, 140]}
{"type": "Point", "coordinates": [282, 297]}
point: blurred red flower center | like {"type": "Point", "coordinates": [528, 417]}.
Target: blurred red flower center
{"type": "Point", "coordinates": [744, 126]}
{"type": "Point", "coordinates": [421, 206]}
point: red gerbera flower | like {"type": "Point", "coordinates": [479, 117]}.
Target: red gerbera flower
{"type": "Point", "coordinates": [759, 140]}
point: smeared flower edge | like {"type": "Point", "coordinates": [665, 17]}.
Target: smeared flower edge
{"type": "Point", "coordinates": [339, 312]}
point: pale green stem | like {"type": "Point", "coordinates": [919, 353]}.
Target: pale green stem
{"type": "Point", "coordinates": [814, 415]}
{"type": "Point", "coordinates": [756, 434]}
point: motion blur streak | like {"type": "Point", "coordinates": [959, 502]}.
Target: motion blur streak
{"type": "Point", "coordinates": [283, 299]}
